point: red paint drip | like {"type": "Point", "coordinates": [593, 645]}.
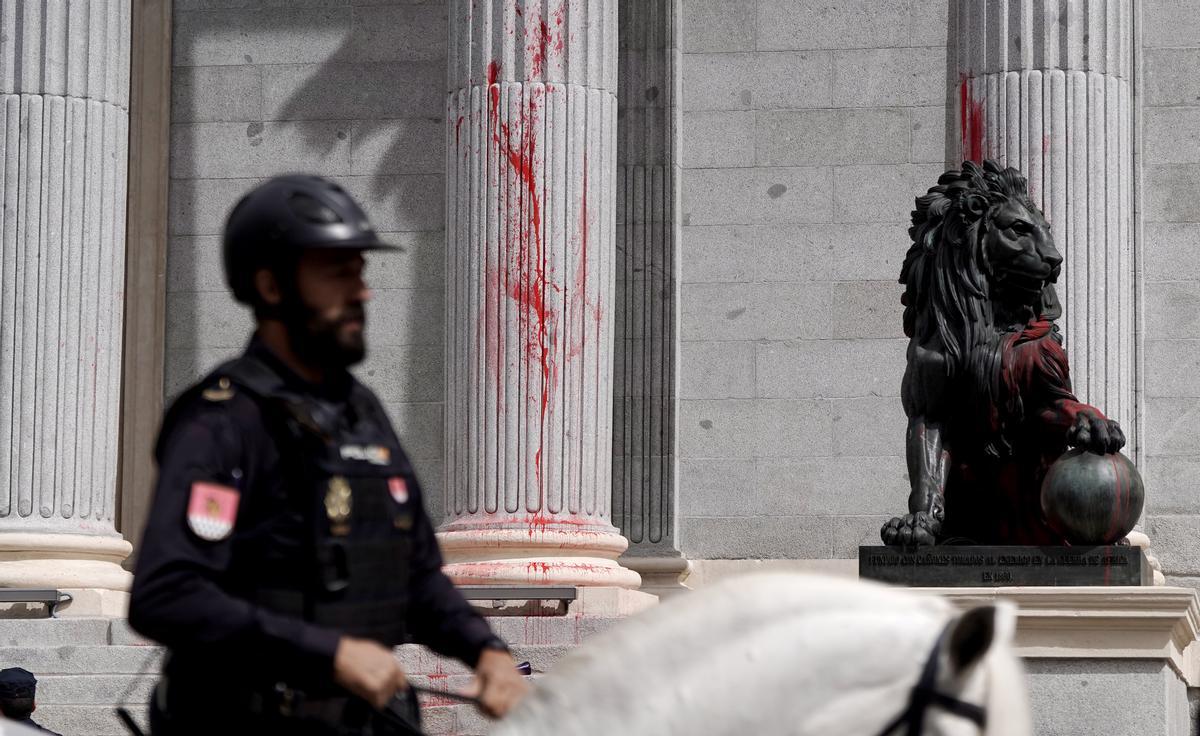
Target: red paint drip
{"type": "Point", "coordinates": [528, 285]}
{"type": "Point", "coordinates": [971, 118]}
{"type": "Point", "coordinates": [1045, 144]}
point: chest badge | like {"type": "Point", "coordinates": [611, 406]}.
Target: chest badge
{"type": "Point", "coordinates": [338, 499]}
{"type": "Point", "coordinates": [399, 489]}
{"type": "Point", "coordinates": [212, 510]}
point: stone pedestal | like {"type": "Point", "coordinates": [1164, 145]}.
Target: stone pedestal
{"type": "Point", "coordinates": [1117, 659]}
{"type": "Point", "coordinates": [531, 145]}
{"type": "Point", "coordinates": [1045, 87]}
{"type": "Point", "coordinates": [64, 92]}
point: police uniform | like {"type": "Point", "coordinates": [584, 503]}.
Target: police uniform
{"type": "Point", "coordinates": [18, 684]}
{"type": "Point", "coordinates": [286, 515]}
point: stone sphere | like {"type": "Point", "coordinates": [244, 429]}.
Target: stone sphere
{"type": "Point", "coordinates": [1092, 499]}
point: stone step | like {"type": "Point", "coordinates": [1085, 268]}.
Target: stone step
{"type": "Point", "coordinates": [88, 720]}
{"type": "Point", "coordinates": [550, 630]}
{"type": "Point", "coordinates": [53, 632]}
{"type": "Point", "coordinates": [71, 660]}
{"type": "Point", "coordinates": [94, 689]}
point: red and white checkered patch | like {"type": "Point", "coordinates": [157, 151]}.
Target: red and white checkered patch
{"type": "Point", "coordinates": [212, 509]}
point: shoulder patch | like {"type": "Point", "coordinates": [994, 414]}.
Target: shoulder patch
{"type": "Point", "coordinates": [212, 510]}
{"type": "Point", "coordinates": [223, 391]}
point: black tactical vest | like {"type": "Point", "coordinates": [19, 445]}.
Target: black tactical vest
{"type": "Point", "coordinates": [333, 548]}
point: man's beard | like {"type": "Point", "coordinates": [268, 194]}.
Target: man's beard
{"type": "Point", "coordinates": [321, 342]}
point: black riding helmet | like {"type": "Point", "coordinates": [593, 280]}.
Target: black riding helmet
{"type": "Point", "coordinates": [274, 222]}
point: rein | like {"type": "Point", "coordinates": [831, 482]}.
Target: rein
{"type": "Point", "coordinates": [925, 695]}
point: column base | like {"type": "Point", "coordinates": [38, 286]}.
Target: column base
{"type": "Point", "coordinates": [87, 567]}
{"type": "Point", "coordinates": [661, 576]}
{"type": "Point", "coordinates": [521, 557]}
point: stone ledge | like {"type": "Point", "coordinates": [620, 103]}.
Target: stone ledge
{"type": "Point", "coordinates": [1152, 622]}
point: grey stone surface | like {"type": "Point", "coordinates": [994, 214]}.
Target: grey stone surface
{"type": "Point", "coordinates": [398, 32]}
{"type": "Point", "coordinates": [1172, 309]}
{"type": "Point", "coordinates": [259, 36]}
{"type": "Point", "coordinates": [754, 311]}
{"type": "Point", "coordinates": [775, 537]}
{"type": "Point", "coordinates": [206, 320]}
{"type": "Point", "coordinates": [1173, 76]}
{"type": "Point", "coordinates": [716, 370]}
{"type": "Point", "coordinates": [870, 426]}
{"type": "Point", "coordinates": [1169, 426]}
{"type": "Point", "coordinates": [53, 632]}
{"type": "Point", "coordinates": [419, 426]}
{"type": "Point", "coordinates": [828, 486]}
{"type": "Point", "coordinates": [929, 134]}
{"type": "Point", "coordinates": [815, 24]}
{"type": "Point", "coordinates": [1171, 482]}
{"type": "Point", "coordinates": [1171, 367]}
{"type": "Point", "coordinates": [830, 368]}
{"type": "Point", "coordinates": [743, 196]}
{"type": "Point", "coordinates": [200, 206]}
{"type": "Point", "coordinates": [1169, 193]}
{"type": "Point", "coordinates": [74, 660]}
{"type": "Point", "coordinates": [240, 150]}
{"type": "Point", "coordinates": [717, 25]}
{"type": "Point", "coordinates": [403, 146]}
{"type": "Point", "coordinates": [872, 194]}
{"type": "Point", "coordinates": [343, 90]}
{"type": "Point", "coordinates": [852, 532]}
{"type": "Point", "coordinates": [867, 309]}
{"type": "Point", "coordinates": [1085, 697]}
{"type": "Point", "coordinates": [216, 94]}
{"type": "Point", "coordinates": [1170, 135]}
{"type": "Point", "coordinates": [194, 263]}
{"type": "Point", "coordinates": [901, 77]}
{"type": "Point", "coordinates": [754, 428]}
{"type": "Point", "coordinates": [761, 81]}
{"type": "Point", "coordinates": [722, 138]}
{"type": "Point", "coordinates": [93, 720]}
{"type": "Point", "coordinates": [1174, 538]}
{"type": "Point", "coordinates": [1168, 251]}
{"type": "Point", "coordinates": [846, 136]}
{"type": "Point", "coordinates": [718, 487]}
{"type": "Point", "coordinates": [1171, 23]}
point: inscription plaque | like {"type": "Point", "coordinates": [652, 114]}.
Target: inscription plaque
{"type": "Point", "coordinates": [994, 566]}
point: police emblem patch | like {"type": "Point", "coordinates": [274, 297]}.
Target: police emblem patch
{"type": "Point", "coordinates": [212, 509]}
{"type": "Point", "coordinates": [398, 488]}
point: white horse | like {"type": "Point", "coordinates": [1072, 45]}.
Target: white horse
{"type": "Point", "coordinates": [801, 655]}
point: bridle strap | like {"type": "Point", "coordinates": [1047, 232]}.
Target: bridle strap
{"type": "Point", "coordinates": [925, 695]}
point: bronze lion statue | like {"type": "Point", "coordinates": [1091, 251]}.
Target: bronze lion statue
{"type": "Point", "coordinates": [987, 390]}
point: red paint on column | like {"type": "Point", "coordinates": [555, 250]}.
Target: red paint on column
{"type": "Point", "coordinates": [526, 281]}
{"type": "Point", "coordinates": [971, 119]}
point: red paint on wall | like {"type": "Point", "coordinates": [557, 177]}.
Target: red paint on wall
{"type": "Point", "coordinates": [971, 120]}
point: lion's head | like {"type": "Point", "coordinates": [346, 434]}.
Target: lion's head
{"type": "Point", "coordinates": [982, 263]}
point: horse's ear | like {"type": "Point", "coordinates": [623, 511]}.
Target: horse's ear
{"type": "Point", "coordinates": [970, 637]}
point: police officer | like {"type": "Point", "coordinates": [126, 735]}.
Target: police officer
{"type": "Point", "coordinates": [287, 549]}
{"type": "Point", "coordinates": [18, 697]}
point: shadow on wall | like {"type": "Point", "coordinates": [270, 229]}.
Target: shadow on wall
{"type": "Point", "coordinates": [354, 93]}
{"type": "Point", "coordinates": [264, 91]}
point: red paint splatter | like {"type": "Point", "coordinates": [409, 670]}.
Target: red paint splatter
{"type": "Point", "coordinates": [1045, 144]}
{"type": "Point", "coordinates": [526, 282]}
{"type": "Point", "coordinates": [971, 119]}
{"type": "Point", "coordinates": [493, 74]}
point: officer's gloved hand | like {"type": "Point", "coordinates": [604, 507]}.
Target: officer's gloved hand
{"type": "Point", "coordinates": [499, 686]}
{"type": "Point", "coordinates": [367, 669]}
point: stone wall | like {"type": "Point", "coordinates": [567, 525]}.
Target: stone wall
{"type": "Point", "coordinates": [808, 129]}
{"type": "Point", "coordinates": [1170, 247]}
{"type": "Point", "coordinates": [350, 90]}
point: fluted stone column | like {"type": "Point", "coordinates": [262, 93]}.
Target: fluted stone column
{"type": "Point", "coordinates": [645, 489]}
{"type": "Point", "coordinates": [1045, 86]}
{"type": "Point", "coordinates": [64, 95]}
{"type": "Point", "coordinates": [531, 144]}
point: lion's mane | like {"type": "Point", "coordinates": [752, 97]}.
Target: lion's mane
{"type": "Point", "coordinates": [948, 305]}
